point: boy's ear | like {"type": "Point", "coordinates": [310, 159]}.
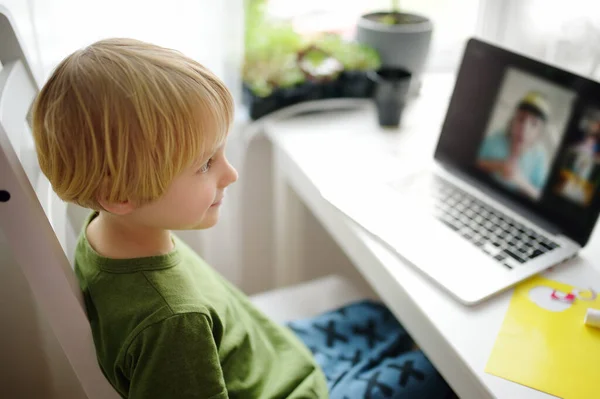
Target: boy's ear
{"type": "Point", "coordinates": [117, 208]}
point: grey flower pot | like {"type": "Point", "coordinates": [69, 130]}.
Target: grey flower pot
{"type": "Point", "coordinates": [403, 45]}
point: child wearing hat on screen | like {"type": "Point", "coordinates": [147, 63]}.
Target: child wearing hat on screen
{"type": "Point", "coordinates": [513, 155]}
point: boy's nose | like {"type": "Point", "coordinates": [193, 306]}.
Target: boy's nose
{"type": "Point", "coordinates": [230, 176]}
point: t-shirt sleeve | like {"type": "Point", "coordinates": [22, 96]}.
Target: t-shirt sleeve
{"type": "Point", "coordinates": [176, 358]}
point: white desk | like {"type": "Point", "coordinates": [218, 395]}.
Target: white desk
{"type": "Point", "coordinates": [316, 150]}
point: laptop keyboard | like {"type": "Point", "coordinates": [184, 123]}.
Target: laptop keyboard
{"type": "Point", "coordinates": [499, 236]}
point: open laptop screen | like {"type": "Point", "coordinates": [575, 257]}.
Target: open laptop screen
{"type": "Point", "coordinates": [531, 132]}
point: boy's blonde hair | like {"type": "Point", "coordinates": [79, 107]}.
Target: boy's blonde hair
{"type": "Point", "coordinates": [121, 118]}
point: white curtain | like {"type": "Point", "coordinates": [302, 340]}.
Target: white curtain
{"type": "Point", "coordinates": [566, 33]}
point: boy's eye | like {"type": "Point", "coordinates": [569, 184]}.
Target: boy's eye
{"type": "Point", "coordinates": [206, 167]}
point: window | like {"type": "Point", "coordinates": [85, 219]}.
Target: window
{"type": "Point", "coordinates": [208, 31]}
{"type": "Point", "coordinates": [454, 21]}
{"type": "Point", "coordinates": [564, 33]}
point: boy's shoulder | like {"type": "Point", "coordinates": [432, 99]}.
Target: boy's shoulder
{"type": "Point", "coordinates": [142, 290]}
{"type": "Point", "coordinates": [130, 300]}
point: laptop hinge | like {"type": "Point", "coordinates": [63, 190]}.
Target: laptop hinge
{"type": "Point", "coordinates": [521, 210]}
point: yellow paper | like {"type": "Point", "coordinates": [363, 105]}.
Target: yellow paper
{"type": "Point", "coordinates": [549, 350]}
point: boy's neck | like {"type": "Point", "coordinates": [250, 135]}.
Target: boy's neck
{"type": "Point", "coordinates": [117, 238]}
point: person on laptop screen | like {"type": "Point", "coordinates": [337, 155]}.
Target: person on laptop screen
{"type": "Point", "coordinates": [514, 155]}
{"type": "Point", "coordinates": [579, 172]}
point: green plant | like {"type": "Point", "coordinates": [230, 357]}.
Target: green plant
{"type": "Point", "coordinates": [395, 17]}
{"type": "Point", "coordinates": [270, 51]}
{"type": "Point", "coordinates": [262, 76]}
{"type": "Point", "coordinates": [272, 39]}
{"type": "Point", "coordinates": [353, 56]}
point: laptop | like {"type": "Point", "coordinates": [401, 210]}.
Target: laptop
{"type": "Point", "coordinates": [514, 186]}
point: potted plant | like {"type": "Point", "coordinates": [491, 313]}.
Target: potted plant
{"type": "Point", "coordinates": [270, 72]}
{"type": "Point", "coordinates": [282, 68]}
{"type": "Point", "coordinates": [401, 39]}
{"type": "Point", "coordinates": [356, 59]}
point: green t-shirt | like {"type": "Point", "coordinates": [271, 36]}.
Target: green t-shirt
{"type": "Point", "coordinates": [170, 327]}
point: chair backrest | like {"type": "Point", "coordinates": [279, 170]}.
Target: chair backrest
{"type": "Point", "coordinates": [36, 222]}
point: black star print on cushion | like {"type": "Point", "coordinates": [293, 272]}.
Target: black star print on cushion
{"type": "Point", "coordinates": [331, 335]}
{"type": "Point", "coordinates": [369, 332]}
{"type": "Point", "coordinates": [406, 371]}
{"type": "Point", "coordinates": [373, 385]}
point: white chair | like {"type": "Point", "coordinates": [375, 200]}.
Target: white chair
{"type": "Point", "coordinates": [41, 231]}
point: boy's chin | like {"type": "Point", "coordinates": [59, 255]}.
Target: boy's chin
{"type": "Point", "coordinates": [208, 222]}
{"type": "Point", "coordinates": [201, 226]}
{"type": "Point", "coordinates": [206, 225]}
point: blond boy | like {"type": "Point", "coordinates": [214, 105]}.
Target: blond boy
{"type": "Point", "coordinates": [137, 133]}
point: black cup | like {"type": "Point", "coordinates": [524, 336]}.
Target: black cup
{"type": "Point", "coordinates": [391, 90]}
